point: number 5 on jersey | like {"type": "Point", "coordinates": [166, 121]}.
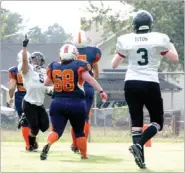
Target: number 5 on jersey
{"type": "Point", "coordinates": [63, 80]}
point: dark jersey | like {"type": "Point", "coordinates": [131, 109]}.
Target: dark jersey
{"type": "Point", "coordinates": [20, 93]}
{"type": "Point", "coordinates": [14, 74]}
{"type": "Point", "coordinates": [90, 54]}
{"type": "Point", "coordinates": [67, 78]}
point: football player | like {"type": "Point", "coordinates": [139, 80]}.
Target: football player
{"type": "Point", "coordinates": [68, 102]}
{"type": "Point", "coordinates": [33, 74]}
{"type": "Point", "coordinates": [15, 82]}
{"type": "Point", "coordinates": [92, 55]}
{"type": "Point", "coordinates": [144, 50]}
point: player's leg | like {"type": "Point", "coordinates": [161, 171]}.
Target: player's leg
{"type": "Point", "coordinates": [133, 96]}
{"type": "Point", "coordinates": [43, 119]}
{"type": "Point", "coordinates": [58, 125]}
{"type": "Point", "coordinates": [89, 91]}
{"type": "Point", "coordinates": [23, 124]}
{"type": "Point", "coordinates": [77, 120]}
{"type": "Point", "coordinates": [31, 114]}
{"type": "Point", "coordinates": [89, 103]}
{"type": "Point", "coordinates": [58, 121]}
{"type": "Point", "coordinates": [24, 129]}
{"type": "Point", "coordinates": [154, 104]}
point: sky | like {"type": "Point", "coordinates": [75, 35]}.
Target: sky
{"type": "Point", "coordinates": [45, 13]}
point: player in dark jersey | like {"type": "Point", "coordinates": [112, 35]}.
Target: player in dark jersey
{"type": "Point", "coordinates": [92, 55]}
{"type": "Point", "coordinates": [68, 102]}
{"type": "Point", "coordinates": [15, 81]}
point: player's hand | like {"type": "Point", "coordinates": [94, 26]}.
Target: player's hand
{"type": "Point", "coordinates": [49, 91]}
{"type": "Point", "coordinates": [103, 96]}
{"type": "Point", "coordinates": [10, 102]}
{"type": "Point", "coordinates": [25, 42]}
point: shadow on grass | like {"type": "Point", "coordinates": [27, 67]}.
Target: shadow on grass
{"type": "Point", "coordinates": [94, 159]}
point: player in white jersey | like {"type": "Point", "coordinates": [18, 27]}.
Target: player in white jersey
{"type": "Point", "coordinates": [33, 74]}
{"type": "Point", "coordinates": [144, 50]}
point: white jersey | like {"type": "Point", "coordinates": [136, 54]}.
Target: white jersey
{"type": "Point", "coordinates": [144, 54]}
{"type": "Point", "coordinates": [33, 82]}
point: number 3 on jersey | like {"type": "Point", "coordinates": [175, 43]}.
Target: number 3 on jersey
{"type": "Point", "coordinates": [144, 56]}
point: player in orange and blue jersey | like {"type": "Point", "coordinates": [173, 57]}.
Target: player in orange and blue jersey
{"type": "Point", "coordinates": [68, 102]}
{"type": "Point", "coordinates": [92, 55]}
{"type": "Point", "coordinates": [16, 82]}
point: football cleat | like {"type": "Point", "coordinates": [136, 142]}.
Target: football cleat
{"type": "Point", "coordinates": [33, 148]}
{"type": "Point", "coordinates": [84, 158]}
{"type": "Point", "coordinates": [74, 149]}
{"type": "Point", "coordinates": [43, 155]}
{"type": "Point", "coordinates": [137, 153]}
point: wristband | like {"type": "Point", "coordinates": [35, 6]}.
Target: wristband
{"type": "Point", "coordinates": [101, 91]}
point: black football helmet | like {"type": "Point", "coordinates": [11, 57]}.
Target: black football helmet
{"type": "Point", "coordinates": [37, 58]}
{"type": "Point", "coordinates": [142, 21]}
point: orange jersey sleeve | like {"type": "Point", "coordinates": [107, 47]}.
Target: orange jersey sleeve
{"type": "Point", "coordinates": [98, 56]}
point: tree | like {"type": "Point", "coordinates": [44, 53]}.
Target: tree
{"type": "Point", "coordinates": [11, 23]}
{"type": "Point", "coordinates": [104, 17]}
{"type": "Point", "coordinates": [36, 36]}
{"type": "Point", "coordinates": [55, 33]}
{"type": "Point", "coordinates": [168, 18]}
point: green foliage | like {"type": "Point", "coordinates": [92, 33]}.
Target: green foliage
{"type": "Point", "coordinates": [104, 17]}
{"type": "Point", "coordinates": [11, 26]}
{"type": "Point", "coordinates": [35, 35]}
{"type": "Point", "coordinates": [55, 33]}
{"type": "Point", "coordinates": [11, 23]}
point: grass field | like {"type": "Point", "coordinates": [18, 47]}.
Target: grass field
{"type": "Point", "coordinates": [103, 157]}
{"type": "Point", "coordinates": [107, 153]}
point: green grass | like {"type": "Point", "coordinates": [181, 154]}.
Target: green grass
{"type": "Point", "coordinates": [103, 157]}
{"type": "Point", "coordinates": [108, 152]}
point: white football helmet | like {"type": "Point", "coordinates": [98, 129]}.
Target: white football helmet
{"type": "Point", "coordinates": [19, 57]}
{"type": "Point", "coordinates": [68, 52]}
{"type": "Point", "coordinates": [80, 39]}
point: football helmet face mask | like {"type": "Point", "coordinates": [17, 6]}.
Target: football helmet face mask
{"type": "Point", "coordinates": [142, 21]}
{"type": "Point", "coordinates": [80, 39]}
{"type": "Point", "coordinates": [37, 58]}
{"type": "Point", "coordinates": [68, 52]}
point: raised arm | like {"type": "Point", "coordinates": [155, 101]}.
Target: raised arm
{"type": "Point", "coordinates": [25, 63]}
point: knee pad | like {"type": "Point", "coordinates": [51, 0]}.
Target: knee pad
{"type": "Point", "coordinates": [158, 126]}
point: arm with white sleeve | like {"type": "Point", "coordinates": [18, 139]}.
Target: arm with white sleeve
{"type": "Point", "coordinates": [171, 52]}
{"type": "Point", "coordinates": [120, 54]}
{"type": "Point", "coordinates": [23, 56]}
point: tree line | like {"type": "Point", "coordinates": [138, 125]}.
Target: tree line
{"type": "Point", "coordinates": [12, 30]}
